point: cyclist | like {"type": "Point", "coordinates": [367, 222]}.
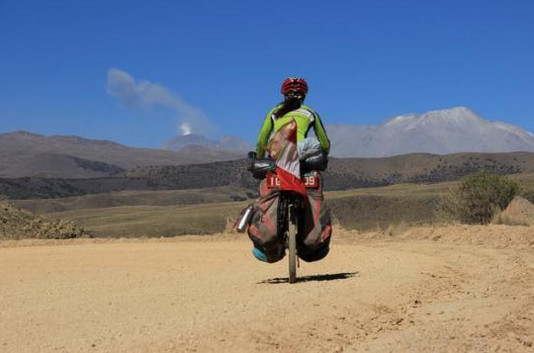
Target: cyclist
{"type": "Point", "coordinates": [294, 90]}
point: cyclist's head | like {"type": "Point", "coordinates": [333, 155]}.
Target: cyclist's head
{"type": "Point", "coordinates": [294, 87]}
{"type": "Point", "coordinates": [294, 90]}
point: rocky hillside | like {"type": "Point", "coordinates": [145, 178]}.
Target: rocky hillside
{"type": "Point", "coordinates": [519, 212]}
{"type": "Point", "coordinates": [18, 224]}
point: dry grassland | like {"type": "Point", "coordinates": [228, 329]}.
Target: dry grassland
{"type": "Point", "coordinates": [136, 198]}
{"type": "Point", "coordinates": [155, 221]}
{"type": "Point", "coordinates": [170, 213]}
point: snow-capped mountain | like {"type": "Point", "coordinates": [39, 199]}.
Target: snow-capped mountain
{"type": "Point", "coordinates": [439, 132]}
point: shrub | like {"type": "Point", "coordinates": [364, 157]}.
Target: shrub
{"type": "Point", "coordinates": [478, 197]}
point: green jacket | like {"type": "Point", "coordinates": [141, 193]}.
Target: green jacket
{"type": "Point", "coordinates": [305, 118]}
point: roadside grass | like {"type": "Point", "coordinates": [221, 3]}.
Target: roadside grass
{"type": "Point", "coordinates": [501, 218]}
{"type": "Point", "coordinates": [525, 179]}
{"type": "Point", "coordinates": [361, 209]}
{"type": "Point", "coordinates": [391, 207]}
{"type": "Point", "coordinates": [154, 221]}
{"type": "Point", "coordinates": [391, 210]}
{"type": "Point", "coordinates": [136, 198]}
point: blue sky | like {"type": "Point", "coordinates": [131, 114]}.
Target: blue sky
{"type": "Point", "coordinates": [220, 63]}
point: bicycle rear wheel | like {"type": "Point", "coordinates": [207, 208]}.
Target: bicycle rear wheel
{"type": "Point", "coordinates": [292, 249]}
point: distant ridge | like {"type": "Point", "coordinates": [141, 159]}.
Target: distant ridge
{"type": "Point", "coordinates": [55, 165]}
{"type": "Point", "coordinates": [342, 174]}
{"type": "Point", "coordinates": [25, 154]}
{"type": "Point", "coordinates": [230, 143]}
{"type": "Point", "coordinates": [439, 132]}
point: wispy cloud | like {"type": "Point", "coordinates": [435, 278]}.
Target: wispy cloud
{"type": "Point", "coordinates": [144, 94]}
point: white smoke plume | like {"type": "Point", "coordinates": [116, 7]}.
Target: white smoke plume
{"type": "Point", "coordinates": [185, 129]}
{"type": "Point", "coordinates": [145, 94]}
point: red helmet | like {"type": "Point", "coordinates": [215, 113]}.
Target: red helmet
{"type": "Point", "coordinates": [294, 84]}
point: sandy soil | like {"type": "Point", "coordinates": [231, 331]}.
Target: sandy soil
{"type": "Point", "coordinates": [453, 289]}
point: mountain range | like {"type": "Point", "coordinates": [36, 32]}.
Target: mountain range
{"type": "Point", "coordinates": [438, 132]}
{"type": "Point", "coordinates": [445, 131]}
{"type": "Point", "coordinates": [25, 154]}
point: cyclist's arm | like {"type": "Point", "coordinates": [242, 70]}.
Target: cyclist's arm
{"type": "Point", "coordinates": [264, 135]}
{"type": "Point", "coordinates": [320, 132]}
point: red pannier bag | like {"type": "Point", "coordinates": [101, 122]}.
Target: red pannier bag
{"type": "Point", "coordinates": [315, 228]}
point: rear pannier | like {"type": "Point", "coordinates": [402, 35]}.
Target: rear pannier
{"type": "Point", "coordinates": [317, 226]}
{"type": "Point", "coordinates": [314, 231]}
{"type": "Point", "coordinates": [262, 229]}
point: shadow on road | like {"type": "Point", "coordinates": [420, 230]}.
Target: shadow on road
{"type": "Point", "coordinates": [314, 278]}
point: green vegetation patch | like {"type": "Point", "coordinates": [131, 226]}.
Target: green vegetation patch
{"type": "Point", "coordinates": [480, 196]}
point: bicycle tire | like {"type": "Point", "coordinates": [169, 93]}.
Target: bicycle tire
{"type": "Point", "coordinates": [292, 249]}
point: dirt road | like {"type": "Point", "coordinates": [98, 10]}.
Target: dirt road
{"type": "Point", "coordinates": [455, 289]}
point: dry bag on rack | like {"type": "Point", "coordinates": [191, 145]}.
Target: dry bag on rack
{"type": "Point", "coordinates": [316, 229]}
{"type": "Point", "coordinates": [262, 229]}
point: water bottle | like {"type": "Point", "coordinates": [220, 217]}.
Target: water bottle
{"type": "Point", "coordinates": [245, 219]}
